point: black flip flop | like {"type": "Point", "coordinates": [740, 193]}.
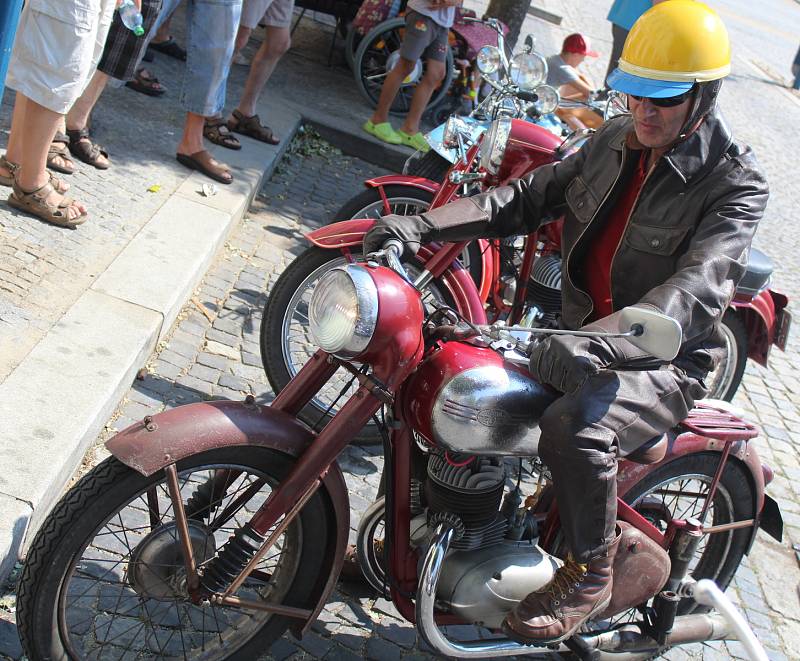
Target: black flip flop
{"type": "Point", "coordinates": [145, 84]}
{"type": "Point", "coordinates": [170, 47]}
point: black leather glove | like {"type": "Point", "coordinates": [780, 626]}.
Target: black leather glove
{"type": "Point", "coordinates": [461, 220]}
{"type": "Point", "coordinates": [566, 361]}
{"type": "Point", "coordinates": [409, 230]}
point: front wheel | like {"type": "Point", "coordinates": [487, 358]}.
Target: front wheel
{"type": "Point", "coordinates": [105, 579]}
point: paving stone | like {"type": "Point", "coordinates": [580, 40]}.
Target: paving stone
{"type": "Point", "coordinates": [380, 649]}
{"type": "Point", "coordinates": [234, 383]}
{"type": "Point", "coordinates": [218, 362]}
{"type": "Point", "coordinates": [204, 373]}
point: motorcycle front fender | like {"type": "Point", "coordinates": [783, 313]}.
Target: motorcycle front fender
{"type": "Point", "coordinates": [403, 180]}
{"type": "Point", "coordinates": [160, 440]}
{"type": "Point", "coordinates": [350, 233]}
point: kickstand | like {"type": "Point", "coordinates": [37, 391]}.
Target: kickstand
{"type": "Point", "coordinates": [578, 646]}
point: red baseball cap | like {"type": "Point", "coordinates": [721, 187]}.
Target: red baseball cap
{"type": "Point", "coordinates": [577, 43]}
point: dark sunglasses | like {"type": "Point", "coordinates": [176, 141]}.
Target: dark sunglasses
{"type": "Point", "coordinates": [668, 102]}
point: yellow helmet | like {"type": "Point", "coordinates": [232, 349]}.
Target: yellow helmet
{"type": "Point", "coordinates": [670, 48]}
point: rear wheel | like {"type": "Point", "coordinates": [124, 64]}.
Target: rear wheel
{"type": "Point", "coordinates": [724, 381]}
{"type": "Point", "coordinates": [678, 490]}
{"type": "Point", "coordinates": [104, 577]}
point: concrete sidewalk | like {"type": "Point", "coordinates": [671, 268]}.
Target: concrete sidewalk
{"type": "Point", "coordinates": [80, 311]}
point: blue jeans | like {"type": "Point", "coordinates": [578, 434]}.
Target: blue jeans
{"type": "Point", "coordinates": [211, 27]}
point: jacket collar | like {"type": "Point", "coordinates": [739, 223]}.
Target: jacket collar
{"type": "Point", "coordinates": [691, 157]}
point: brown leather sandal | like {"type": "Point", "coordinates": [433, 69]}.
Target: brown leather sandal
{"type": "Point", "coordinates": [202, 161]}
{"type": "Point", "coordinates": [82, 148]}
{"type": "Point", "coordinates": [252, 127]}
{"type": "Point", "coordinates": [60, 186]}
{"type": "Point", "coordinates": [37, 204]}
{"type": "Point", "coordinates": [58, 150]}
{"type": "Point", "coordinates": [216, 131]}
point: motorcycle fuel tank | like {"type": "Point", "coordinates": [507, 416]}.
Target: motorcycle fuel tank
{"type": "Point", "coordinates": [466, 398]}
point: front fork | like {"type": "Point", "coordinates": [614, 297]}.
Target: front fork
{"type": "Point", "coordinates": [239, 557]}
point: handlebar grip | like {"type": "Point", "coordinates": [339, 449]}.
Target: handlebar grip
{"type": "Point", "coordinates": [531, 97]}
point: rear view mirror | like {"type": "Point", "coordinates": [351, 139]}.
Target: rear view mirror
{"type": "Point", "coordinates": [656, 333]}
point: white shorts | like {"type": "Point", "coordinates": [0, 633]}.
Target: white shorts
{"type": "Point", "coordinates": [56, 50]}
{"type": "Point", "coordinates": [276, 13]}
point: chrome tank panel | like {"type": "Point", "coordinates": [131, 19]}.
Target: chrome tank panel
{"type": "Point", "coordinates": [488, 410]}
{"type": "Point", "coordinates": [470, 586]}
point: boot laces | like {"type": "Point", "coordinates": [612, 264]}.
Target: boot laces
{"type": "Point", "coordinates": [566, 579]}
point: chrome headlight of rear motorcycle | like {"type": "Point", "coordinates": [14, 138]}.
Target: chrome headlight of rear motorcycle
{"type": "Point", "coordinates": [528, 70]}
{"type": "Point", "coordinates": [488, 60]}
{"type": "Point", "coordinates": [548, 99]}
{"type": "Point", "coordinates": [494, 144]}
{"type": "Point", "coordinates": [343, 311]}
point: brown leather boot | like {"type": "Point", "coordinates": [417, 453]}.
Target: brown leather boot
{"type": "Point", "coordinates": [556, 612]}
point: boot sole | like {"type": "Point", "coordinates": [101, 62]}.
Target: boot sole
{"type": "Point", "coordinates": [547, 642]}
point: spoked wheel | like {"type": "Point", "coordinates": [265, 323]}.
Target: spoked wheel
{"type": "Point", "coordinates": [105, 577]}
{"type": "Point", "coordinates": [404, 201]}
{"type": "Point", "coordinates": [286, 342]}
{"type": "Point", "coordinates": [679, 490]}
{"type": "Point", "coordinates": [724, 381]}
{"type": "Point", "coordinates": [351, 42]}
{"type": "Point", "coordinates": [376, 56]}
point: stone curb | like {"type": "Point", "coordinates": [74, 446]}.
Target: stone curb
{"type": "Point", "coordinates": [53, 405]}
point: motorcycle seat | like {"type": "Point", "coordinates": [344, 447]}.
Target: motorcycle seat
{"type": "Point", "coordinates": [757, 276]}
{"type": "Point", "coordinates": [650, 452]}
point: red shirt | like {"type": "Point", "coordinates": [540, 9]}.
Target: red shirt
{"type": "Point", "coordinates": [600, 254]}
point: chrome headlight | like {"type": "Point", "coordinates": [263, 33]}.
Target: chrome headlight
{"type": "Point", "coordinates": [548, 99]}
{"type": "Point", "coordinates": [528, 70]}
{"type": "Point", "coordinates": [494, 144]}
{"type": "Point", "coordinates": [488, 60]}
{"type": "Point", "coordinates": [343, 311]}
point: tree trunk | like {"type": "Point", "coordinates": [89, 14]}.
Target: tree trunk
{"type": "Point", "coordinates": [512, 13]}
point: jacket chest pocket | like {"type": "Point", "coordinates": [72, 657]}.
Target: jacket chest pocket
{"type": "Point", "coordinates": [655, 240]}
{"type": "Point", "coordinates": [581, 201]}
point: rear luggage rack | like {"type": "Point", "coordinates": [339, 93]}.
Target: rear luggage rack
{"type": "Point", "coordinates": [719, 424]}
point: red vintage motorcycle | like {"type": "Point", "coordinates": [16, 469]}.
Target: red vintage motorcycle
{"type": "Point", "coordinates": [215, 527]}
{"type": "Point", "coordinates": [518, 281]}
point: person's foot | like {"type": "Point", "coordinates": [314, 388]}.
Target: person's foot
{"type": "Point", "coordinates": [47, 204]}
{"type": "Point", "coordinates": [169, 47]}
{"type": "Point", "coordinates": [415, 141]}
{"type": "Point", "coordinates": [241, 59]}
{"type": "Point", "coordinates": [383, 131]}
{"type": "Point", "coordinates": [556, 611]}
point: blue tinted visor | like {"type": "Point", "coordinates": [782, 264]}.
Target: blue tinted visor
{"type": "Point", "coordinates": [654, 89]}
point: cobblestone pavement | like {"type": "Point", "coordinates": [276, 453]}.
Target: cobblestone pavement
{"type": "Point", "coordinates": [213, 353]}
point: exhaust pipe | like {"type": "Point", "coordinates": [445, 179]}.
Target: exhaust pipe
{"type": "Point", "coordinates": [630, 638]}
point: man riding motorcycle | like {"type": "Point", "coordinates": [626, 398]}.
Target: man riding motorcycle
{"type": "Point", "coordinates": [660, 209]}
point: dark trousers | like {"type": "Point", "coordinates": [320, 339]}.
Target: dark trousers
{"type": "Point", "coordinates": [584, 433]}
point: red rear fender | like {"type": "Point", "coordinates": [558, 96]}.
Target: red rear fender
{"type": "Point", "coordinates": [186, 430]}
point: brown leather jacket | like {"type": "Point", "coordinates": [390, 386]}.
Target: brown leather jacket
{"type": "Point", "coordinates": [686, 243]}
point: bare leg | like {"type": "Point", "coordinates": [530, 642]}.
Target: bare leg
{"type": "Point", "coordinates": [391, 85]}
{"type": "Point", "coordinates": [14, 148]}
{"type": "Point", "coordinates": [272, 48]}
{"type": "Point", "coordinates": [162, 34]}
{"type": "Point", "coordinates": [78, 115]}
{"type": "Point", "coordinates": [434, 75]}
{"type": "Point", "coordinates": [192, 139]}
{"type": "Point", "coordinates": [30, 149]}
{"type": "Point", "coordinates": [242, 37]}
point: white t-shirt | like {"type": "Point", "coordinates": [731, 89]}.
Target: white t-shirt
{"type": "Point", "coordinates": [444, 16]}
{"type": "Point", "coordinates": [559, 72]}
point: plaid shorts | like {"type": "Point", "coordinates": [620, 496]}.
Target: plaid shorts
{"type": "Point", "coordinates": [424, 37]}
{"type": "Point", "coordinates": [123, 48]}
